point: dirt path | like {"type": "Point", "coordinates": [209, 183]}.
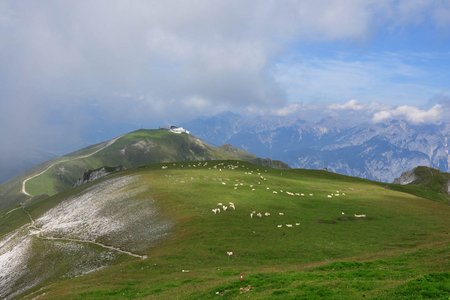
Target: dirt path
{"type": "Point", "coordinates": [36, 231]}
{"type": "Point", "coordinates": [24, 182]}
{"type": "Point", "coordinates": [52, 238]}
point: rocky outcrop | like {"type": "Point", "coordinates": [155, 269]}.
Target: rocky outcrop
{"type": "Point", "coordinates": [406, 178]}
{"type": "Point", "coordinates": [91, 175]}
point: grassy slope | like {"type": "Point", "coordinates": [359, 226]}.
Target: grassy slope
{"type": "Point", "coordinates": [138, 148]}
{"type": "Point", "coordinates": [401, 250]}
{"type": "Point", "coordinates": [430, 183]}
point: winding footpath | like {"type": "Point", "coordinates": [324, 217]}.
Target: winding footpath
{"type": "Point", "coordinates": [24, 182]}
{"type": "Point", "coordinates": [37, 231]}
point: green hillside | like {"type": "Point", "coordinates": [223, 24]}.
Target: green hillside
{"type": "Point", "coordinates": [327, 236]}
{"type": "Point", "coordinates": [426, 182]}
{"type": "Point", "coordinates": [138, 148]}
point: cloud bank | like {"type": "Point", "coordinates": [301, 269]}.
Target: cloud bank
{"type": "Point", "coordinates": [410, 113]}
{"type": "Point", "coordinates": [90, 69]}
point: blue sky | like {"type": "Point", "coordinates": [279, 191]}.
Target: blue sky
{"type": "Point", "coordinates": [90, 70]}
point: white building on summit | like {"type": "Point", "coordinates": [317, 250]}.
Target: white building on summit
{"type": "Point", "coordinates": [176, 129]}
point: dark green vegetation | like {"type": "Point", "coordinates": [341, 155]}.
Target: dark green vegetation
{"type": "Point", "coordinates": [428, 183]}
{"type": "Point", "coordinates": [138, 148]}
{"type": "Point", "coordinates": [400, 250]}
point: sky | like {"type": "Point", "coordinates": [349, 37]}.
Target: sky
{"type": "Point", "coordinates": [76, 72]}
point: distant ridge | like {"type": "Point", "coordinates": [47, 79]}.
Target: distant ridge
{"type": "Point", "coordinates": [137, 148]}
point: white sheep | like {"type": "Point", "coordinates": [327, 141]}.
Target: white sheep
{"type": "Point", "coordinates": [288, 225]}
{"type": "Point", "coordinates": [267, 214]}
{"type": "Point", "coordinates": [229, 253]}
{"type": "Point", "coordinates": [297, 224]}
{"type": "Point", "coordinates": [360, 216]}
{"type": "Point", "coordinates": [281, 214]}
{"type": "Point", "coordinates": [224, 207]}
{"type": "Point", "coordinates": [279, 226]}
{"type": "Point", "coordinates": [311, 194]}
{"type": "Point", "coordinates": [251, 215]}
{"type": "Point", "coordinates": [274, 192]}
{"type": "Point", "coordinates": [219, 204]}
{"type": "Point", "coordinates": [329, 196]}
{"type": "Point", "coordinates": [259, 215]}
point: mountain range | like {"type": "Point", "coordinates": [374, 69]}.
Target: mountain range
{"type": "Point", "coordinates": [376, 151]}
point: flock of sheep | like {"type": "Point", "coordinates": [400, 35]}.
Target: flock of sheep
{"type": "Point", "coordinates": [253, 187]}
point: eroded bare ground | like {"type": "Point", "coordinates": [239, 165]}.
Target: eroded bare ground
{"type": "Point", "coordinates": [81, 234]}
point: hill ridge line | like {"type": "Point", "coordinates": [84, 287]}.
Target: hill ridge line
{"type": "Point", "coordinates": [24, 191]}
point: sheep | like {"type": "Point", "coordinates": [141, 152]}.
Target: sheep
{"type": "Point", "coordinates": [224, 207]}
{"type": "Point", "coordinates": [281, 214]}
{"type": "Point", "coordinates": [214, 211]}
{"type": "Point", "coordinates": [219, 204]}
{"type": "Point", "coordinates": [267, 214]}
{"type": "Point", "coordinates": [164, 167]}
{"type": "Point", "coordinates": [231, 205]}
{"type": "Point", "coordinates": [288, 225]}
{"type": "Point", "coordinates": [224, 183]}
{"type": "Point", "coordinates": [267, 188]}
{"type": "Point", "coordinates": [229, 253]}
{"type": "Point", "coordinates": [342, 213]}
{"type": "Point", "coordinates": [360, 216]}
{"type": "Point", "coordinates": [274, 192]}
{"type": "Point", "coordinates": [329, 196]}
{"type": "Point", "coordinates": [297, 224]}
{"type": "Point", "coordinates": [297, 194]}
{"type": "Point", "coordinates": [251, 185]}
{"type": "Point", "coordinates": [251, 215]}
{"type": "Point", "coordinates": [259, 215]}
{"type": "Point", "coordinates": [253, 190]}
{"type": "Point", "coordinates": [290, 194]}
{"type": "Point", "coordinates": [302, 194]}
{"type": "Point", "coordinates": [279, 225]}
{"type": "Point", "coordinates": [235, 188]}
{"type": "Point", "coordinates": [311, 194]}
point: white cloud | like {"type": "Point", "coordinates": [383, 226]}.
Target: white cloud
{"type": "Point", "coordinates": [410, 113]}
{"type": "Point", "coordinates": [349, 105]}
{"type": "Point", "coordinates": [174, 60]}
